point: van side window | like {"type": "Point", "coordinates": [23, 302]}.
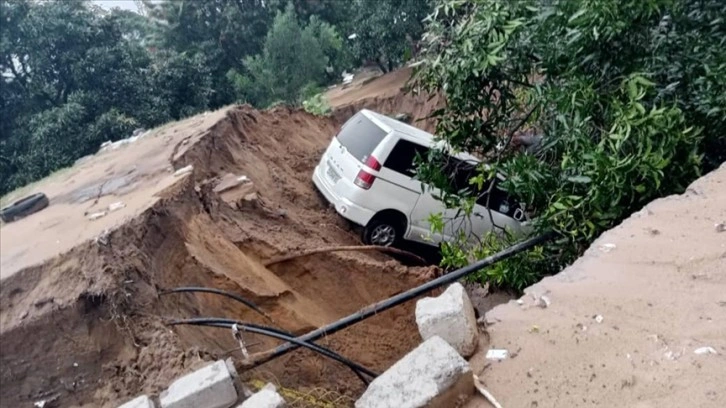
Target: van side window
{"type": "Point", "coordinates": [402, 157]}
{"type": "Point", "coordinates": [499, 201]}
{"type": "Point", "coordinates": [460, 172]}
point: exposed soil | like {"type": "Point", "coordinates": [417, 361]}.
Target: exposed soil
{"type": "Point", "coordinates": [82, 322]}
{"type": "Point", "coordinates": [388, 94]}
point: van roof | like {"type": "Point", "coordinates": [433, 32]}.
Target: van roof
{"type": "Point", "coordinates": [414, 134]}
{"type": "Point", "coordinates": [393, 124]}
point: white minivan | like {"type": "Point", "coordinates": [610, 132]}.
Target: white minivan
{"type": "Point", "coordinates": [367, 174]}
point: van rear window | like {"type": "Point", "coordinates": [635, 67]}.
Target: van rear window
{"type": "Point", "coordinates": [360, 137]}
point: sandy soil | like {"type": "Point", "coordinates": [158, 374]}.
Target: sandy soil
{"type": "Point", "coordinates": [661, 292]}
{"type": "Point", "coordinates": [367, 85]}
{"type": "Point", "coordinates": [81, 322]}
{"type": "Point", "coordinates": [386, 94]}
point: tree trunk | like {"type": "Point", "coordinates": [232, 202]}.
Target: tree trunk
{"type": "Point", "coordinates": [381, 66]}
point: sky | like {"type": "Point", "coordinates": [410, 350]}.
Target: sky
{"type": "Point", "coordinates": [122, 4]}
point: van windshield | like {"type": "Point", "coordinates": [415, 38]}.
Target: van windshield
{"type": "Point", "coordinates": [360, 137]}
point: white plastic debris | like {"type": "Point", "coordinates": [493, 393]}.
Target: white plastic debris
{"type": "Point", "coordinates": [347, 78]}
{"type": "Point", "coordinates": [102, 239]}
{"type": "Point", "coordinates": [607, 247]}
{"type": "Point", "coordinates": [96, 215]}
{"type": "Point", "coordinates": [705, 350]}
{"type": "Point", "coordinates": [243, 179]}
{"type": "Point", "coordinates": [39, 404]}
{"type": "Point", "coordinates": [544, 301]}
{"type": "Point", "coordinates": [520, 302]}
{"type": "Point", "coordinates": [672, 355]}
{"type": "Point", "coordinates": [353, 36]}
{"type": "Point", "coordinates": [75, 364]}
{"type": "Point", "coordinates": [184, 170]}
{"type": "Point", "coordinates": [497, 354]}
{"type": "Point", "coordinates": [116, 206]}
{"type": "Point", "coordinates": [599, 318]}
{"type": "Point", "coordinates": [720, 227]}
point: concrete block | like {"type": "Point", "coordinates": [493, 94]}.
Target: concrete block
{"type": "Point", "coordinates": [267, 397]}
{"type": "Point", "coordinates": [433, 375]}
{"type": "Point", "coordinates": [139, 402]}
{"type": "Point", "coordinates": [209, 387]}
{"type": "Point", "coordinates": [451, 317]}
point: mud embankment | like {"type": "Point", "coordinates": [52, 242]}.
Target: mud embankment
{"type": "Point", "coordinates": [87, 327]}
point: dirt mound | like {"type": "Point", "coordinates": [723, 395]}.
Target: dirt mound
{"type": "Point", "coordinates": [388, 94]}
{"type": "Point", "coordinates": [87, 326]}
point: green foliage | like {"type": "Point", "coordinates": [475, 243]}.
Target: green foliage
{"type": "Point", "coordinates": [339, 57]}
{"type": "Point", "coordinates": [386, 31]}
{"type": "Point", "coordinates": [221, 32]}
{"type": "Point", "coordinates": [76, 78]}
{"type": "Point", "coordinates": [317, 105]}
{"type": "Point", "coordinates": [620, 125]}
{"type": "Point", "coordinates": [291, 59]}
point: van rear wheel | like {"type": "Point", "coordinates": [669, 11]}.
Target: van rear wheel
{"type": "Point", "coordinates": [382, 232]}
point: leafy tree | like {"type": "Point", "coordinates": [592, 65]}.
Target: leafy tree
{"type": "Point", "coordinates": [74, 77]}
{"type": "Point", "coordinates": [386, 31]}
{"type": "Point", "coordinates": [184, 82]}
{"type": "Point", "coordinates": [620, 125]}
{"type": "Point", "coordinates": [331, 44]}
{"type": "Point", "coordinates": [223, 32]}
{"type": "Point", "coordinates": [291, 59]}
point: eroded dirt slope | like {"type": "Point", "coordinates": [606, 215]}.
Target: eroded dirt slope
{"type": "Point", "coordinates": [85, 327]}
{"type": "Point", "coordinates": [389, 94]}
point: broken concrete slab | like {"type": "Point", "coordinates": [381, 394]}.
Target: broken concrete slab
{"type": "Point", "coordinates": [209, 387]}
{"type": "Point", "coordinates": [432, 375]}
{"type": "Point", "coordinates": [139, 402]}
{"type": "Point", "coordinates": [267, 397]}
{"type": "Point", "coordinates": [451, 317]}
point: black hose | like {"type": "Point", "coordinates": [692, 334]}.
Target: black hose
{"type": "Point", "coordinates": [396, 300]}
{"type": "Point", "coordinates": [278, 334]}
{"type": "Point", "coordinates": [312, 346]}
{"type": "Point", "coordinates": [203, 320]}
{"type": "Point", "coordinates": [217, 292]}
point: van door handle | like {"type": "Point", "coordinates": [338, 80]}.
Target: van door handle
{"type": "Point", "coordinates": [479, 215]}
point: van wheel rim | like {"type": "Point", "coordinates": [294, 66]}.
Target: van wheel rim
{"type": "Point", "coordinates": [383, 235]}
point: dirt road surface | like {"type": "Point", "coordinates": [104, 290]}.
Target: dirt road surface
{"type": "Point", "coordinates": [628, 321]}
{"type": "Point", "coordinates": [133, 175]}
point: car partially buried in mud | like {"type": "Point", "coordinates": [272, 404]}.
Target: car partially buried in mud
{"type": "Point", "coordinates": [368, 173]}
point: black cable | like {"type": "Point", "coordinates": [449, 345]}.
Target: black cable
{"type": "Point", "coordinates": [216, 292]}
{"type": "Point", "coordinates": [312, 346]}
{"type": "Point", "coordinates": [396, 300]}
{"type": "Point", "coordinates": [278, 334]}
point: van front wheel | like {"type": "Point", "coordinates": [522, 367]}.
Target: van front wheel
{"type": "Point", "coordinates": [382, 232]}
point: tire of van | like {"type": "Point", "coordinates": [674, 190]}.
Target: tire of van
{"type": "Point", "coordinates": [383, 231]}
{"type": "Point", "coordinates": [24, 207]}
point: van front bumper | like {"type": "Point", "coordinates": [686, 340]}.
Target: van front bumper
{"type": "Point", "coordinates": [346, 208]}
